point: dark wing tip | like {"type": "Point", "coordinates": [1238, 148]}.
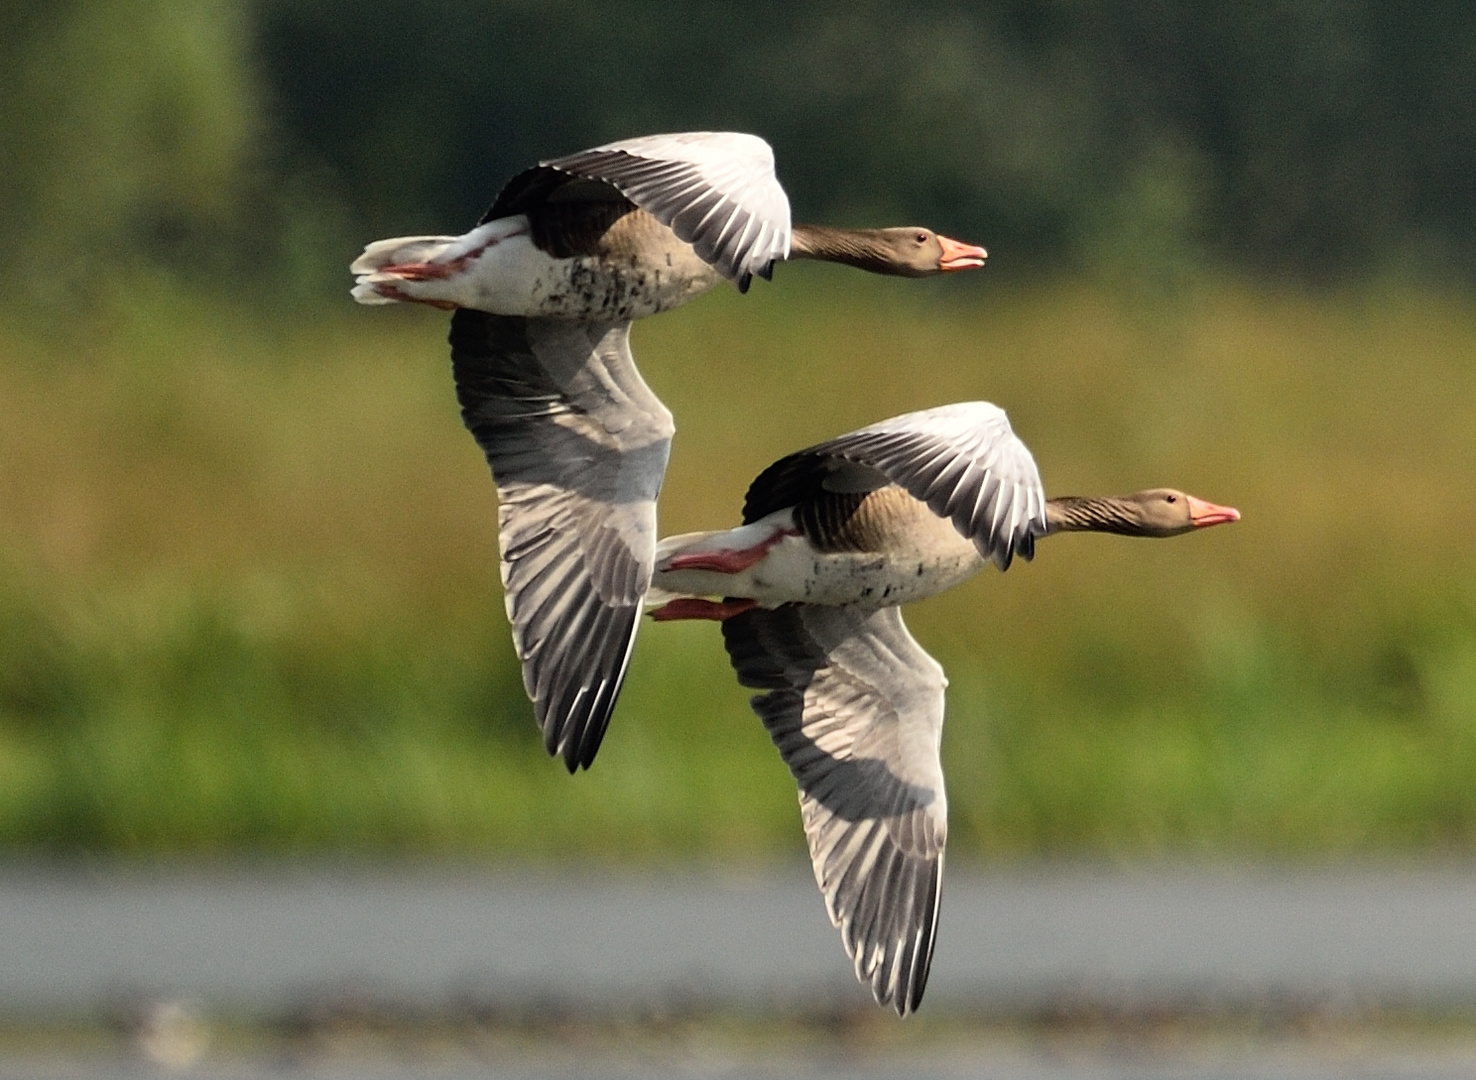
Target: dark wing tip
{"type": "Point", "coordinates": [575, 713]}
{"type": "Point", "coordinates": [929, 933]}
{"type": "Point", "coordinates": [574, 731]}
{"type": "Point", "coordinates": [1026, 547]}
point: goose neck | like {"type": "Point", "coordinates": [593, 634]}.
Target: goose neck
{"type": "Point", "coordinates": [1098, 513]}
{"type": "Point", "coordinates": [861, 248]}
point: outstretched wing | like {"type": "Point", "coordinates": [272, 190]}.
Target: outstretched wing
{"type": "Point", "coordinates": [962, 460]}
{"type": "Point", "coordinates": [578, 445]}
{"type": "Point", "coordinates": [855, 707]}
{"type": "Point", "coordinates": [715, 189]}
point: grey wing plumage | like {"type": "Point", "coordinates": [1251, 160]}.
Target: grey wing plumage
{"type": "Point", "coordinates": [715, 189]}
{"type": "Point", "coordinates": [962, 460]}
{"type": "Point", "coordinates": [578, 446]}
{"type": "Point", "coordinates": [855, 707]}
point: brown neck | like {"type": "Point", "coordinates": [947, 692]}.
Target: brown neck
{"type": "Point", "coordinates": [861, 248]}
{"type": "Point", "coordinates": [1092, 513]}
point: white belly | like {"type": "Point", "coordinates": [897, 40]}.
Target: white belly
{"type": "Point", "coordinates": [498, 269]}
{"type": "Point", "coordinates": [793, 571]}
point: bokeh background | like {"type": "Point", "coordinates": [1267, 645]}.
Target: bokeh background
{"type": "Point", "coordinates": [248, 583]}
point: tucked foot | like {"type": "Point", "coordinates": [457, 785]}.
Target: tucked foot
{"type": "Point", "coordinates": [691, 607]}
{"type": "Point", "coordinates": [426, 271]}
{"type": "Point", "coordinates": [729, 560]}
{"type": "Point", "coordinates": [392, 292]}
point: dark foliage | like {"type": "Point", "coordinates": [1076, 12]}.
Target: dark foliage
{"type": "Point", "coordinates": [1321, 137]}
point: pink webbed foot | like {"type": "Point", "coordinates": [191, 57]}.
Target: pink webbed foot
{"type": "Point", "coordinates": [391, 292]}
{"type": "Point", "coordinates": [729, 561]}
{"type": "Point", "coordinates": [691, 607]}
{"type": "Point", "coordinates": [424, 271]}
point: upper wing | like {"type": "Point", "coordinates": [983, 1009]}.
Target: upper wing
{"type": "Point", "coordinates": [855, 707]}
{"type": "Point", "coordinates": [715, 189]}
{"type": "Point", "coordinates": [578, 446]}
{"type": "Point", "coordinates": [963, 460]}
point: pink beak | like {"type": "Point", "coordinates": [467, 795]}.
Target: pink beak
{"type": "Point", "coordinates": [960, 256]}
{"type": "Point", "coordinates": [1207, 513]}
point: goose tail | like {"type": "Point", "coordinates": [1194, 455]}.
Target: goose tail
{"type": "Point", "coordinates": [387, 268]}
{"type": "Point", "coordinates": [668, 585]}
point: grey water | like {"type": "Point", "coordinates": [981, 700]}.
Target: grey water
{"type": "Point", "coordinates": [253, 938]}
{"type": "Point", "coordinates": [425, 943]}
{"type": "Point", "coordinates": [1259, 1065]}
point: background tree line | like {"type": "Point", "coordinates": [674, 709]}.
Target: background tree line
{"type": "Point", "coordinates": [1319, 139]}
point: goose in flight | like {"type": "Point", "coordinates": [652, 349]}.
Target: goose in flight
{"type": "Point", "coordinates": [807, 589]}
{"type": "Point", "coordinates": [544, 289]}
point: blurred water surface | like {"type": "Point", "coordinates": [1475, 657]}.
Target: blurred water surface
{"type": "Point", "coordinates": [1278, 1061]}
{"type": "Point", "coordinates": [1045, 971]}
{"type": "Point", "coordinates": [524, 945]}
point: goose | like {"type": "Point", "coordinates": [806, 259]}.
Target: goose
{"type": "Point", "coordinates": [544, 290]}
{"type": "Point", "coordinates": [834, 538]}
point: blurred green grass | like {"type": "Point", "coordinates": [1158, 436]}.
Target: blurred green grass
{"type": "Point", "coordinates": [248, 587]}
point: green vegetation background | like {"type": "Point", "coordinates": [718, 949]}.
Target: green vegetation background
{"type": "Point", "coordinates": [248, 589]}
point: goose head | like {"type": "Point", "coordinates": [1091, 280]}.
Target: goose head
{"type": "Point", "coordinates": [1167, 512]}
{"type": "Point", "coordinates": [914, 251]}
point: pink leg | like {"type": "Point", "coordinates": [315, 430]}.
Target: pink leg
{"type": "Point", "coordinates": [429, 271]}
{"type": "Point", "coordinates": [690, 607]}
{"type": "Point", "coordinates": [393, 293]}
{"type": "Point", "coordinates": [424, 271]}
{"type": "Point", "coordinates": [727, 562]}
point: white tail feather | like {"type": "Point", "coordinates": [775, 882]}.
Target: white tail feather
{"type": "Point", "coordinates": [668, 546]}
{"type": "Point", "coordinates": [400, 249]}
{"type": "Point", "coordinates": [396, 251]}
{"type": "Point", "coordinates": [365, 293]}
{"type": "Point", "coordinates": [380, 280]}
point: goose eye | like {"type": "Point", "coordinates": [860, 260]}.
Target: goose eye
{"type": "Point", "coordinates": [922, 238]}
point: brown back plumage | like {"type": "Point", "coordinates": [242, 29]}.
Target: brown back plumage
{"type": "Point", "coordinates": [569, 229]}
{"type": "Point", "coordinates": [573, 217]}
{"type": "Point", "coordinates": [881, 520]}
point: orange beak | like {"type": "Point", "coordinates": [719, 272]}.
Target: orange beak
{"type": "Point", "coordinates": [1207, 513]}
{"type": "Point", "coordinates": [959, 256]}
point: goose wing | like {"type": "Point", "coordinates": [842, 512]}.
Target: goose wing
{"type": "Point", "coordinates": [962, 460]}
{"type": "Point", "coordinates": [715, 189]}
{"type": "Point", "coordinates": [578, 446]}
{"type": "Point", "coordinates": [855, 707]}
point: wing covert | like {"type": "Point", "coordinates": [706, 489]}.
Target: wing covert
{"type": "Point", "coordinates": [962, 460]}
{"type": "Point", "coordinates": [715, 189]}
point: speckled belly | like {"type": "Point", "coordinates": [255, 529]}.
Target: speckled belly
{"type": "Point", "coordinates": [515, 278]}
{"type": "Point", "coordinates": [794, 571]}
{"type": "Point", "coordinates": [594, 291]}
